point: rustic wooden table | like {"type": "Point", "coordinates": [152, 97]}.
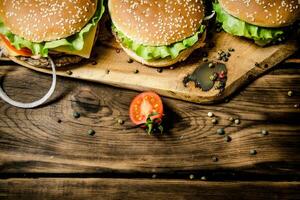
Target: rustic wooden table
{"type": "Point", "coordinates": [46, 153]}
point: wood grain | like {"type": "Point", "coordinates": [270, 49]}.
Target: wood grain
{"type": "Point", "coordinates": [33, 141]}
{"type": "Point", "coordinates": [144, 189]}
{"type": "Point", "coordinates": [240, 67]}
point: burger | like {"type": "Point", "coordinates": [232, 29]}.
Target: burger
{"type": "Point", "coordinates": [158, 33]}
{"type": "Point", "coordinates": [264, 21]}
{"type": "Point", "coordinates": [47, 33]}
{"type": "Point", "coordinates": [32, 31]}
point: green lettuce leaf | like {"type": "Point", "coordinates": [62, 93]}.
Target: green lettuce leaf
{"type": "Point", "coordinates": [74, 42]}
{"type": "Point", "coordinates": [262, 36]}
{"type": "Point", "coordinates": [158, 52]}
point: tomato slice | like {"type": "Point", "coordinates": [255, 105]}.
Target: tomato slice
{"type": "Point", "coordinates": [21, 52]}
{"type": "Point", "coordinates": [143, 105]}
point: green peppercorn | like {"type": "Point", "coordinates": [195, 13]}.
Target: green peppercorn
{"type": "Point", "coordinates": [69, 72]}
{"type": "Point", "coordinates": [91, 132]}
{"type": "Point", "coordinates": [213, 77]}
{"type": "Point", "coordinates": [221, 131]}
{"type": "Point", "coordinates": [253, 152]}
{"type": "Point", "coordinates": [225, 59]}
{"type": "Point", "coordinates": [237, 121]}
{"type": "Point", "coordinates": [227, 138]}
{"type": "Point", "coordinates": [290, 93]}
{"type": "Point", "coordinates": [204, 59]}
{"type": "Point", "coordinates": [129, 60]}
{"type": "Point", "coordinates": [192, 176]}
{"type": "Point", "coordinates": [160, 70]}
{"type": "Point", "coordinates": [76, 115]}
{"type": "Point", "coordinates": [264, 132]}
{"type": "Point", "coordinates": [210, 114]}
{"type": "Point", "coordinates": [215, 159]}
{"type": "Point", "coordinates": [211, 65]}
{"type": "Point", "coordinates": [120, 121]}
{"type": "Point", "coordinates": [214, 121]}
{"type": "Point", "coordinates": [219, 85]}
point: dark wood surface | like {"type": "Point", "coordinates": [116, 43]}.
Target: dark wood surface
{"type": "Point", "coordinates": [137, 188]}
{"type": "Point", "coordinates": [33, 144]}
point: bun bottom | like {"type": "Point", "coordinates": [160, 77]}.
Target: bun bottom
{"type": "Point", "coordinates": [59, 59]}
{"type": "Point", "coordinates": [167, 61]}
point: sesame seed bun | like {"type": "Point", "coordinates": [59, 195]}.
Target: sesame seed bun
{"type": "Point", "coordinates": [48, 20]}
{"type": "Point", "coordinates": [265, 13]}
{"type": "Point", "coordinates": [168, 61]}
{"type": "Point", "coordinates": [157, 23]}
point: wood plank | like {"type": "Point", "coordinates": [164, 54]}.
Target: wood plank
{"type": "Point", "coordinates": [32, 141]}
{"type": "Point", "coordinates": [241, 68]}
{"type": "Point", "coordinates": [144, 189]}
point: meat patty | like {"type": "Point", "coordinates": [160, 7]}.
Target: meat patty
{"type": "Point", "coordinates": [60, 60]}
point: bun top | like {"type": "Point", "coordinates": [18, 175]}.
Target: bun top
{"type": "Point", "coordinates": [265, 13]}
{"type": "Point", "coordinates": [46, 20]}
{"type": "Point", "coordinates": [156, 23]}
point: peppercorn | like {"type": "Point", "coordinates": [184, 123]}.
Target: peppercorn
{"type": "Point", "coordinates": [221, 131]}
{"type": "Point", "coordinates": [120, 121]}
{"type": "Point", "coordinates": [290, 93]}
{"type": "Point", "coordinates": [227, 138]}
{"type": "Point", "coordinates": [69, 72]}
{"type": "Point", "coordinates": [210, 114]}
{"type": "Point", "coordinates": [91, 132]}
{"type": "Point", "coordinates": [237, 121]}
{"type": "Point", "coordinates": [76, 115]}
{"type": "Point", "coordinates": [160, 70]}
{"type": "Point", "coordinates": [214, 159]}
{"type": "Point", "coordinates": [192, 176]}
{"type": "Point", "coordinates": [264, 132]}
{"type": "Point", "coordinates": [129, 60]}
{"type": "Point", "coordinates": [211, 65]}
{"type": "Point", "coordinates": [253, 152]}
{"type": "Point", "coordinates": [214, 121]}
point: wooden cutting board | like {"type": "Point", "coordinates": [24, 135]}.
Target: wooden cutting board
{"type": "Point", "coordinates": [241, 69]}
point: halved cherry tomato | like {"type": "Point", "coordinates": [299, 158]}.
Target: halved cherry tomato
{"type": "Point", "coordinates": [21, 52]}
{"type": "Point", "coordinates": [145, 105]}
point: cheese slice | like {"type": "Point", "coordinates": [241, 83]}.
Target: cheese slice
{"type": "Point", "coordinates": [85, 52]}
{"type": "Point", "coordinates": [89, 39]}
